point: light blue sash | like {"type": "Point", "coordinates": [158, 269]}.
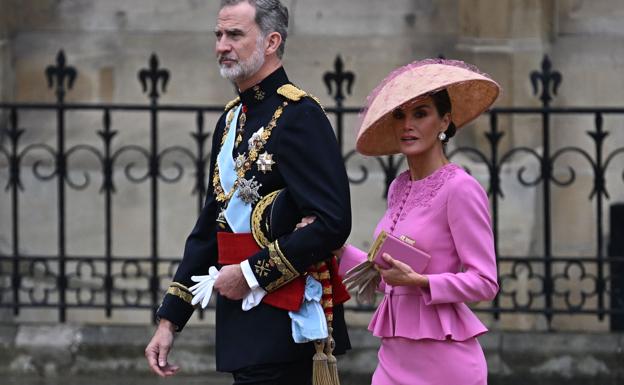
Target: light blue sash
{"type": "Point", "coordinates": [309, 323]}
{"type": "Point", "coordinates": [238, 213]}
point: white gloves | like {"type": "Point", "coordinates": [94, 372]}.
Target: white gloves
{"type": "Point", "coordinates": [202, 291]}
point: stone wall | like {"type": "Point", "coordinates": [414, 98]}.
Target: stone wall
{"type": "Point", "coordinates": [109, 41]}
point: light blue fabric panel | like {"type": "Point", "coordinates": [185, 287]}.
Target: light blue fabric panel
{"type": "Point", "coordinates": [237, 213]}
{"type": "Point", "coordinates": [309, 323]}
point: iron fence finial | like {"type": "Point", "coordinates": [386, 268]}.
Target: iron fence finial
{"type": "Point", "coordinates": [338, 77]}
{"type": "Point", "coordinates": [60, 74]}
{"type": "Point", "coordinates": [548, 79]}
{"type": "Point", "coordinates": [153, 75]}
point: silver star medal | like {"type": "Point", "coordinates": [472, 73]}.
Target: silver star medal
{"type": "Point", "coordinates": [248, 190]}
{"type": "Point", "coordinates": [256, 137]}
{"type": "Point", "coordinates": [240, 161]}
{"type": "Point", "coordinates": [264, 162]}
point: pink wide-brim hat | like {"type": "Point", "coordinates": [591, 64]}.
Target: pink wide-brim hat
{"type": "Point", "coordinates": [471, 93]}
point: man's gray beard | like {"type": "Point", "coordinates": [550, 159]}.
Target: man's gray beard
{"type": "Point", "coordinates": [243, 69]}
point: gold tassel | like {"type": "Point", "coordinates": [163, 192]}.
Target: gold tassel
{"type": "Point", "coordinates": [332, 366]}
{"type": "Point", "coordinates": [320, 371]}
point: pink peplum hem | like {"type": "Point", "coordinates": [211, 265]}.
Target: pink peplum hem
{"type": "Point", "coordinates": [403, 312]}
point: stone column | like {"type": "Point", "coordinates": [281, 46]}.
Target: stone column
{"type": "Point", "coordinates": [5, 17]}
{"type": "Point", "coordinates": [507, 40]}
{"type": "Point", "coordinates": [583, 40]}
{"type": "Point", "coordinates": [5, 314]}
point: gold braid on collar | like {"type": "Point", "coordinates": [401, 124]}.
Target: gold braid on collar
{"type": "Point", "coordinates": [232, 103]}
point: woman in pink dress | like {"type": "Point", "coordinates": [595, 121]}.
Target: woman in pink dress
{"type": "Point", "coordinates": [428, 333]}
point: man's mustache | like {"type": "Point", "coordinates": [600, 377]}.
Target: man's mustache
{"type": "Point", "coordinates": [223, 58]}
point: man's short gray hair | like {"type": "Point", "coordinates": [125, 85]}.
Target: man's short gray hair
{"type": "Point", "coordinates": [271, 16]}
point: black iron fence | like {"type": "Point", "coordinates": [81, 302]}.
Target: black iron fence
{"type": "Point", "coordinates": [543, 283]}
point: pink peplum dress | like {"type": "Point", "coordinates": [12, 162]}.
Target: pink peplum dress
{"type": "Point", "coordinates": [428, 335]}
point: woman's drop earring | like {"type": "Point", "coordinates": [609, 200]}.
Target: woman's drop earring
{"type": "Point", "coordinates": [442, 136]}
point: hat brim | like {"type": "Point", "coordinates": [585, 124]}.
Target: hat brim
{"type": "Point", "coordinates": [471, 94]}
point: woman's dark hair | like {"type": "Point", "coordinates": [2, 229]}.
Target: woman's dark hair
{"type": "Point", "coordinates": [442, 102]}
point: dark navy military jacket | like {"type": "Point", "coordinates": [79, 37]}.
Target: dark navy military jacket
{"type": "Point", "coordinates": [307, 161]}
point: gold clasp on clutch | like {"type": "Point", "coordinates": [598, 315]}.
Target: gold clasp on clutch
{"type": "Point", "coordinates": [407, 240]}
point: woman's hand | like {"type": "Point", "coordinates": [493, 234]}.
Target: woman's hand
{"type": "Point", "coordinates": [308, 220]}
{"type": "Point", "coordinates": [304, 222]}
{"type": "Point", "coordinates": [400, 274]}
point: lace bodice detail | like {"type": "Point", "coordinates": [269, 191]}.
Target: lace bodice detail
{"type": "Point", "coordinates": [405, 194]}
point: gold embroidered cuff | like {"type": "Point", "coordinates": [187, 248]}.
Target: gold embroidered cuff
{"type": "Point", "coordinates": [180, 286]}
{"type": "Point", "coordinates": [283, 265]}
{"type": "Point", "coordinates": [186, 297]}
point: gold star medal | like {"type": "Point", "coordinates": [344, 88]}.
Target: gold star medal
{"type": "Point", "coordinates": [264, 162]}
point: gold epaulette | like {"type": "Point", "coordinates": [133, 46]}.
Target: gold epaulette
{"type": "Point", "coordinates": [291, 92]}
{"type": "Point", "coordinates": [295, 94]}
{"type": "Point", "coordinates": [232, 104]}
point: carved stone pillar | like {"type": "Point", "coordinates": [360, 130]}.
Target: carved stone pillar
{"type": "Point", "coordinates": [5, 70]}
{"type": "Point", "coordinates": [506, 39]}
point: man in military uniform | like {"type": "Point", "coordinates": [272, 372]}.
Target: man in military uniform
{"type": "Point", "coordinates": [272, 137]}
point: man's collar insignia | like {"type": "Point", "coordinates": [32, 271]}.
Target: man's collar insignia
{"type": "Point", "coordinates": [258, 93]}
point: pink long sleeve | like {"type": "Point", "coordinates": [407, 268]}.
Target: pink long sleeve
{"type": "Point", "coordinates": [469, 222]}
{"type": "Point", "coordinates": [446, 214]}
{"type": "Point", "coordinates": [351, 257]}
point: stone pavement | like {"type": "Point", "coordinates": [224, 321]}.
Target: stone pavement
{"type": "Point", "coordinates": [117, 380]}
{"type": "Point", "coordinates": [225, 380]}
{"type": "Point", "coordinates": [102, 355]}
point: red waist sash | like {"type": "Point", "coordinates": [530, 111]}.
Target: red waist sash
{"type": "Point", "coordinates": [236, 247]}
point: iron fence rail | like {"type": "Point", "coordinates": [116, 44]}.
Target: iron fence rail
{"type": "Point", "coordinates": [108, 281]}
